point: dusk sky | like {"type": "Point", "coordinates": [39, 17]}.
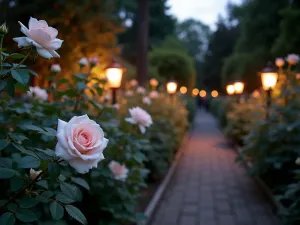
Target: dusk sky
{"type": "Point", "coordinates": [205, 10]}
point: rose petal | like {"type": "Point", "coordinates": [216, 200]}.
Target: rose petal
{"type": "Point", "coordinates": [24, 29]}
{"type": "Point", "coordinates": [40, 36]}
{"type": "Point", "coordinates": [83, 166]}
{"type": "Point", "coordinates": [61, 152]}
{"type": "Point", "coordinates": [142, 129]}
{"type": "Point", "coordinates": [32, 23]}
{"type": "Point", "coordinates": [55, 44]}
{"type": "Point", "coordinates": [22, 41]}
{"type": "Point", "coordinates": [44, 53]}
{"type": "Point", "coordinates": [130, 120]}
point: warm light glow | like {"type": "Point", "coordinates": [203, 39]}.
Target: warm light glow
{"type": "Point", "coordinates": [195, 91]}
{"type": "Point", "coordinates": [269, 80]}
{"type": "Point", "coordinates": [114, 77]}
{"type": "Point", "coordinates": [171, 87]}
{"type": "Point", "coordinates": [238, 87]}
{"type": "Point", "coordinates": [183, 90]}
{"type": "Point", "coordinates": [202, 93]}
{"type": "Point", "coordinates": [230, 89]}
{"type": "Point", "coordinates": [153, 82]}
{"type": "Point", "coordinates": [214, 93]}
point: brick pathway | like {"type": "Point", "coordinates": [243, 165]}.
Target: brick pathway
{"type": "Point", "coordinates": [209, 188]}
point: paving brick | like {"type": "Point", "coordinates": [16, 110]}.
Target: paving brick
{"type": "Point", "coordinates": [208, 188]}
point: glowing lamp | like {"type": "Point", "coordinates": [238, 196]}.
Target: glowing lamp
{"type": "Point", "coordinates": [214, 93]}
{"type": "Point", "coordinates": [238, 87]}
{"type": "Point", "coordinates": [153, 83]}
{"type": "Point", "coordinates": [114, 73]}
{"type": "Point", "coordinates": [202, 93]}
{"type": "Point", "coordinates": [195, 91]}
{"type": "Point", "coordinates": [230, 89]}
{"type": "Point", "coordinates": [171, 87]}
{"type": "Point", "coordinates": [183, 90]}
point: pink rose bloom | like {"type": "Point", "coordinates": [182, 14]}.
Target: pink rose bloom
{"type": "Point", "coordinates": [41, 36]}
{"type": "Point", "coordinates": [279, 62]}
{"type": "Point", "coordinates": [292, 59]}
{"type": "Point", "coordinates": [81, 142]}
{"type": "Point", "coordinates": [37, 93]}
{"type": "Point", "coordinates": [141, 90]}
{"type": "Point", "coordinates": [94, 61]}
{"type": "Point", "coordinates": [119, 171]}
{"type": "Point", "coordinates": [147, 100]}
{"type": "Point", "coordinates": [133, 83]}
{"type": "Point", "coordinates": [153, 94]}
{"type": "Point", "coordinates": [140, 117]}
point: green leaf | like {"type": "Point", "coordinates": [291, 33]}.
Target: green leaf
{"type": "Point", "coordinates": [70, 191]}
{"type": "Point", "coordinates": [29, 162]}
{"type": "Point", "coordinates": [76, 214]}
{"type": "Point", "coordinates": [5, 65]}
{"type": "Point", "coordinates": [3, 72]}
{"type": "Point", "coordinates": [21, 76]}
{"type": "Point", "coordinates": [27, 202]}
{"type": "Point", "coordinates": [25, 215]}
{"type": "Point", "coordinates": [80, 182]}
{"type": "Point", "coordinates": [54, 170]}
{"type": "Point", "coordinates": [17, 136]}
{"type": "Point", "coordinates": [6, 173]}
{"type": "Point", "coordinates": [16, 183]}
{"type": "Point", "coordinates": [81, 85]}
{"type": "Point", "coordinates": [56, 210]}
{"type": "Point", "coordinates": [23, 150]}
{"type": "Point", "coordinates": [12, 207]}
{"type": "Point", "coordinates": [80, 76]}
{"type": "Point", "coordinates": [3, 144]}
{"type": "Point", "coordinates": [17, 56]}
{"type": "Point", "coordinates": [2, 84]}
{"type": "Point", "coordinates": [31, 127]}
{"type": "Point", "coordinates": [10, 87]}
{"type": "Point", "coordinates": [7, 218]}
{"type": "Point", "coordinates": [6, 162]}
{"type": "Point", "coordinates": [139, 157]}
{"type": "Point", "coordinates": [33, 73]}
{"type": "Point", "coordinates": [43, 183]}
{"type": "Point", "coordinates": [44, 197]}
{"type": "Point", "coordinates": [63, 199]}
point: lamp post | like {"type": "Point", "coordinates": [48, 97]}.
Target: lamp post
{"type": "Point", "coordinates": [154, 83]}
{"type": "Point", "coordinates": [238, 89]}
{"type": "Point", "coordinates": [230, 89]}
{"type": "Point", "coordinates": [171, 88]}
{"type": "Point", "coordinates": [114, 73]}
{"type": "Point", "coordinates": [269, 78]}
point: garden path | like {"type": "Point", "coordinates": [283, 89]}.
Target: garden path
{"type": "Point", "coordinates": [209, 188]}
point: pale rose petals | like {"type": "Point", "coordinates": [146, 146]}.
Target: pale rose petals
{"type": "Point", "coordinates": [94, 61]}
{"type": "Point", "coordinates": [141, 90]}
{"type": "Point", "coordinates": [83, 62]}
{"type": "Point", "coordinates": [55, 68]}
{"type": "Point", "coordinates": [37, 93]}
{"type": "Point", "coordinates": [279, 62]}
{"type": "Point", "coordinates": [147, 100]}
{"type": "Point", "coordinates": [153, 94]}
{"type": "Point", "coordinates": [34, 174]}
{"type": "Point", "coordinates": [129, 93]}
{"type": "Point", "coordinates": [119, 171]}
{"type": "Point", "coordinates": [41, 36]}
{"type": "Point", "coordinates": [81, 142]}
{"type": "Point", "coordinates": [292, 59]}
{"type": "Point", "coordinates": [133, 83]}
{"type": "Point", "coordinates": [139, 117]}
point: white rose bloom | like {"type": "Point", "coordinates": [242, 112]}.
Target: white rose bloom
{"type": "Point", "coordinates": [141, 90]}
{"type": "Point", "coordinates": [116, 106]}
{"type": "Point", "coordinates": [41, 36]}
{"type": "Point", "coordinates": [119, 171]}
{"type": "Point", "coordinates": [147, 100]}
{"type": "Point", "coordinates": [55, 68]}
{"type": "Point", "coordinates": [83, 62]}
{"type": "Point", "coordinates": [81, 142]}
{"type": "Point", "coordinates": [140, 117]}
{"type": "Point", "coordinates": [34, 174]}
{"type": "Point", "coordinates": [292, 59]}
{"type": "Point", "coordinates": [37, 93]}
{"type": "Point", "coordinates": [279, 62]}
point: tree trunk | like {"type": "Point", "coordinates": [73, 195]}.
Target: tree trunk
{"type": "Point", "coordinates": [142, 41]}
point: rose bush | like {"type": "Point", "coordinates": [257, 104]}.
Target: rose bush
{"type": "Point", "coordinates": [56, 163]}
